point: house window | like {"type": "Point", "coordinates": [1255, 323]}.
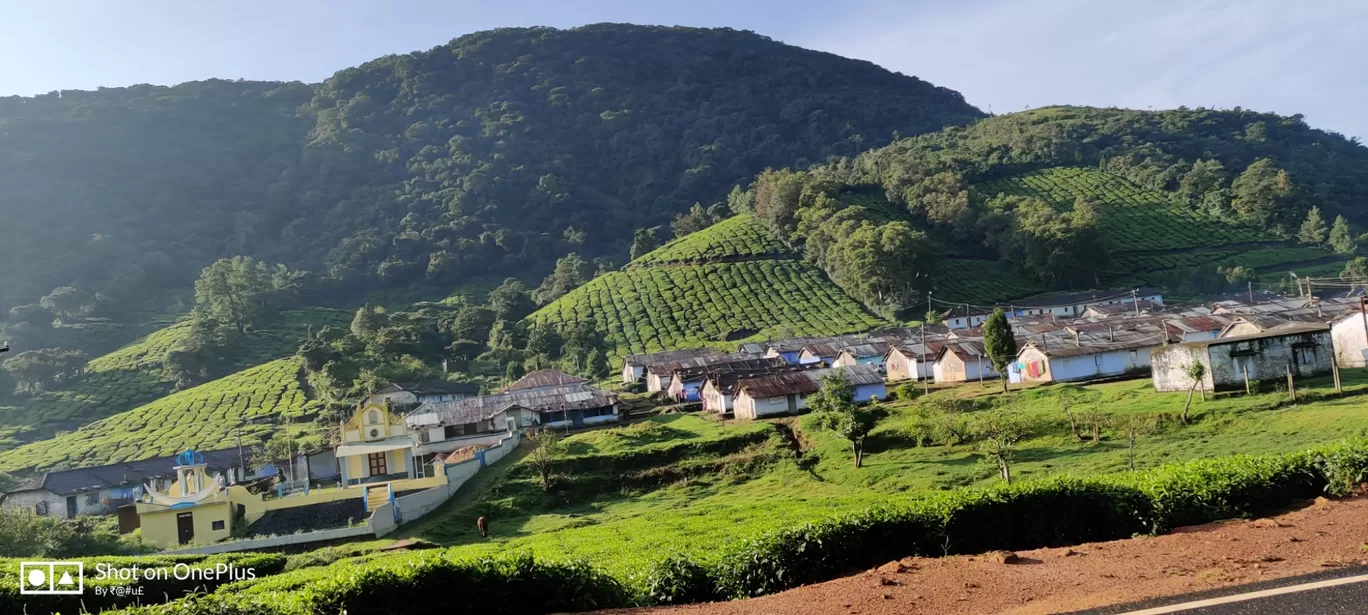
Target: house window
{"type": "Point", "coordinates": [217, 525]}
{"type": "Point", "coordinates": [424, 436]}
{"type": "Point", "coordinates": [40, 509]}
{"type": "Point", "coordinates": [378, 467]}
{"type": "Point", "coordinates": [92, 498]}
{"type": "Point", "coordinates": [470, 428]}
{"type": "Point", "coordinates": [373, 417]}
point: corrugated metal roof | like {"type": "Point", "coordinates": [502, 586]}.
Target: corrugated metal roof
{"type": "Point", "coordinates": [542, 399]}
{"type": "Point", "coordinates": [1294, 328]}
{"type": "Point", "coordinates": [751, 365]}
{"type": "Point", "coordinates": [864, 351]}
{"type": "Point", "coordinates": [543, 378]}
{"type": "Point", "coordinates": [670, 356]}
{"type": "Point", "coordinates": [432, 387]}
{"type": "Point", "coordinates": [66, 482]}
{"type": "Point", "coordinates": [668, 368]}
{"type": "Point", "coordinates": [803, 382]}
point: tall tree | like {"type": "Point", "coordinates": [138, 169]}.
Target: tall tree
{"type": "Point", "coordinates": [1262, 193]}
{"type": "Point", "coordinates": [571, 272]}
{"type": "Point", "coordinates": [696, 220]}
{"type": "Point", "coordinates": [998, 432]}
{"type": "Point", "coordinates": [999, 343]}
{"type": "Point", "coordinates": [1341, 240]}
{"type": "Point", "coordinates": [547, 451]}
{"type": "Point", "coordinates": [643, 240]}
{"type": "Point", "coordinates": [1313, 229]}
{"type": "Point", "coordinates": [835, 408]}
{"type": "Point", "coordinates": [236, 292]}
{"type": "Point", "coordinates": [510, 300]}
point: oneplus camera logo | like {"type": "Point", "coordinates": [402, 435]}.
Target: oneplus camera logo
{"type": "Point", "coordinates": [51, 578]}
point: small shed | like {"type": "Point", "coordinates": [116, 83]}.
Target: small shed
{"type": "Point", "coordinates": [1087, 358]}
{"type": "Point", "coordinates": [911, 360]}
{"type": "Point", "coordinates": [1302, 349]}
{"type": "Point", "coordinates": [862, 354]}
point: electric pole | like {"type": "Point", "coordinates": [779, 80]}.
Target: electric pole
{"type": "Point", "coordinates": [921, 360]}
{"type": "Point", "coordinates": [1135, 299]}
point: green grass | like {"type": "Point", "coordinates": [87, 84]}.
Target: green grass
{"type": "Point", "coordinates": [1133, 218]}
{"type": "Point", "coordinates": [133, 375]}
{"type": "Point", "coordinates": [736, 238]}
{"type": "Point", "coordinates": [652, 309]}
{"type": "Point", "coordinates": [203, 417]}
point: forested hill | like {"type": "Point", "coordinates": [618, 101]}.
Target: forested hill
{"type": "Point", "coordinates": [472, 157]}
{"type": "Point", "coordinates": [1075, 197]}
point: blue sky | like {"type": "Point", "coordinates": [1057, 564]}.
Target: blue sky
{"type": "Point", "coordinates": [1306, 57]}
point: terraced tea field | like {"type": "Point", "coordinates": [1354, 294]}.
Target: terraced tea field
{"type": "Point", "coordinates": [1134, 218]}
{"type": "Point", "coordinates": [132, 376]}
{"type": "Point", "coordinates": [1258, 259]}
{"type": "Point", "coordinates": [979, 282]}
{"type": "Point", "coordinates": [204, 417]}
{"type": "Point", "coordinates": [657, 308]}
{"type": "Point", "coordinates": [736, 238]}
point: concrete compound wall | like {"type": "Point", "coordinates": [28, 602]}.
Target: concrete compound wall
{"type": "Point", "coordinates": [279, 541]}
{"type": "Point", "coordinates": [494, 453]}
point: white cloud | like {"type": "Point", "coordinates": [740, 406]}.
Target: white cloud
{"type": "Point", "coordinates": [1270, 55]}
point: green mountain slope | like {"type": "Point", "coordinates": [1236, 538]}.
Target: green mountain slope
{"type": "Point", "coordinates": [205, 417]}
{"type": "Point", "coordinates": [657, 303]}
{"type": "Point", "coordinates": [1070, 198]}
{"type": "Point", "coordinates": [470, 158]}
{"type": "Point", "coordinates": [134, 375]}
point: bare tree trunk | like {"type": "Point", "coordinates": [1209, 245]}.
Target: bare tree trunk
{"type": "Point", "coordinates": [1004, 382]}
{"type": "Point", "coordinates": [1006, 470]}
{"type": "Point", "coordinates": [1131, 434]}
{"type": "Point", "coordinates": [1201, 388]}
{"type": "Point", "coordinates": [1097, 432]}
{"type": "Point", "coordinates": [1073, 425]}
{"type": "Point", "coordinates": [1189, 402]}
{"type": "Point", "coordinates": [859, 454]}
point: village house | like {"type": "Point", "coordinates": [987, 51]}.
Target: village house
{"type": "Point", "coordinates": [962, 361]}
{"type": "Point", "coordinates": [102, 490]}
{"type": "Point", "coordinates": [911, 360]}
{"type": "Point", "coordinates": [786, 392]}
{"type": "Point", "coordinates": [1302, 349]}
{"type": "Point", "coordinates": [718, 391]}
{"type": "Point", "coordinates": [1070, 305]}
{"type": "Point", "coordinates": [546, 398]}
{"type": "Point", "coordinates": [401, 395]}
{"type": "Point", "coordinates": [1086, 357]}
{"type": "Point", "coordinates": [686, 383]}
{"type": "Point", "coordinates": [1196, 328]}
{"type": "Point", "coordinates": [660, 376]}
{"type": "Point", "coordinates": [634, 366]}
{"type": "Point", "coordinates": [376, 445]}
{"type": "Point", "coordinates": [861, 354]}
{"type": "Point", "coordinates": [1349, 330]}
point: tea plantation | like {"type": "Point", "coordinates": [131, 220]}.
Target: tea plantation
{"type": "Point", "coordinates": [204, 417]}
{"type": "Point", "coordinates": [737, 238]}
{"type": "Point", "coordinates": [132, 376]}
{"type": "Point", "coordinates": [656, 308]}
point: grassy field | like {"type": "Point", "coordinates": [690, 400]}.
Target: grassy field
{"type": "Point", "coordinates": [979, 281]}
{"type": "Point", "coordinates": [655, 308]}
{"type": "Point", "coordinates": [132, 376]}
{"type": "Point", "coordinates": [622, 531]}
{"type": "Point", "coordinates": [204, 417]}
{"type": "Point", "coordinates": [736, 238]}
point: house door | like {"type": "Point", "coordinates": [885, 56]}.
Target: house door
{"type": "Point", "coordinates": [792, 403]}
{"type": "Point", "coordinates": [577, 418]}
{"type": "Point", "coordinates": [185, 527]}
{"type": "Point", "coordinates": [71, 507]}
{"type": "Point", "coordinates": [378, 465]}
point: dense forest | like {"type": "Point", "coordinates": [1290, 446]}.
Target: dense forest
{"type": "Point", "coordinates": [1236, 167]}
{"type": "Point", "coordinates": [498, 152]}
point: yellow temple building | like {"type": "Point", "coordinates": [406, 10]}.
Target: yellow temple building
{"type": "Point", "coordinates": [376, 445]}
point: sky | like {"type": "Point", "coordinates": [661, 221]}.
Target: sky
{"type": "Point", "coordinates": [1304, 56]}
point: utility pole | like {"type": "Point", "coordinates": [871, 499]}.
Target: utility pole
{"type": "Point", "coordinates": [242, 461]}
{"type": "Point", "coordinates": [1135, 300]}
{"type": "Point", "coordinates": [926, 381]}
{"type": "Point", "coordinates": [1251, 291]}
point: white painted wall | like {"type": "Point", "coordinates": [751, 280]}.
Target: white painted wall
{"type": "Point", "coordinates": [1351, 345]}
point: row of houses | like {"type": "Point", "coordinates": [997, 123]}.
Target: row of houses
{"type": "Point", "coordinates": [1111, 338]}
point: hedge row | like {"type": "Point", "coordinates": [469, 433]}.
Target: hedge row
{"type": "Point", "coordinates": [1055, 512]}
{"type": "Point", "coordinates": [157, 589]}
